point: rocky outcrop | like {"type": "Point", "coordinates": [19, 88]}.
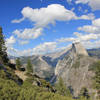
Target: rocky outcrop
{"type": "Point", "coordinates": [40, 66]}
{"type": "Point", "coordinates": [78, 49]}
{"type": "Point", "coordinates": [74, 69]}
{"type": "Point", "coordinates": [72, 64]}
{"type": "Point", "coordinates": [44, 65]}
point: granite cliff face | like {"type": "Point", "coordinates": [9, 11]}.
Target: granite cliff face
{"type": "Point", "coordinates": [44, 65]}
{"type": "Point", "coordinates": [72, 64]}
{"type": "Point", "coordinates": [74, 69]}
{"type": "Point", "coordinates": [40, 66]}
{"type": "Point", "coordinates": [78, 49]}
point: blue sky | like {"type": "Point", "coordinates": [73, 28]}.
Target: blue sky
{"type": "Point", "coordinates": [44, 26]}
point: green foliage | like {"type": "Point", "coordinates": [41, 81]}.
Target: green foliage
{"type": "Point", "coordinates": [29, 66]}
{"type": "Point", "coordinates": [96, 68]}
{"type": "Point", "coordinates": [61, 88]}
{"type": "Point", "coordinates": [2, 74]}
{"type": "Point", "coordinates": [84, 93]}
{"type": "Point", "coordinates": [8, 74]}
{"type": "Point", "coordinates": [1, 67]}
{"type": "Point", "coordinates": [18, 64]}
{"type": "Point", "coordinates": [3, 54]}
{"type": "Point", "coordinates": [9, 90]}
{"type": "Point", "coordinates": [97, 77]}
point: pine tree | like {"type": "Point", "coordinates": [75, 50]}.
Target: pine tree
{"type": "Point", "coordinates": [62, 89]}
{"type": "Point", "coordinates": [29, 66]}
{"type": "Point", "coordinates": [18, 64]}
{"type": "Point", "coordinates": [3, 53]}
{"type": "Point", "coordinates": [97, 77]}
{"type": "Point", "coordinates": [84, 93]}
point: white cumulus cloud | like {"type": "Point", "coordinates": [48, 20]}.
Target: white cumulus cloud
{"type": "Point", "coordinates": [94, 4]}
{"type": "Point", "coordinates": [45, 16]}
{"type": "Point", "coordinates": [48, 15]}
{"type": "Point", "coordinates": [28, 33]}
{"type": "Point", "coordinates": [54, 12]}
{"type": "Point", "coordinates": [23, 42]}
{"type": "Point", "coordinates": [94, 28]}
{"type": "Point", "coordinates": [10, 41]}
{"type": "Point", "coordinates": [96, 22]}
{"type": "Point", "coordinates": [45, 47]}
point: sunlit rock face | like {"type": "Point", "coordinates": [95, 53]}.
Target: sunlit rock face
{"type": "Point", "coordinates": [74, 69]}
{"type": "Point", "coordinates": [78, 49]}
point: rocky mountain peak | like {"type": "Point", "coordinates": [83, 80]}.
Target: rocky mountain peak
{"type": "Point", "coordinates": [78, 49]}
{"type": "Point", "coordinates": [74, 69]}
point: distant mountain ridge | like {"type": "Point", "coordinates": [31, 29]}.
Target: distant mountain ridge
{"type": "Point", "coordinates": [44, 65]}
{"type": "Point", "coordinates": [94, 52]}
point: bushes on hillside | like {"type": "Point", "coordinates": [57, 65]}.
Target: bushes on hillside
{"type": "Point", "coordinates": [9, 90]}
{"type": "Point", "coordinates": [62, 89]}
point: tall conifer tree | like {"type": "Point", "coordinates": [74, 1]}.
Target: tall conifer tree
{"type": "Point", "coordinates": [18, 64]}
{"type": "Point", "coordinates": [3, 53]}
{"type": "Point", "coordinates": [29, 66]}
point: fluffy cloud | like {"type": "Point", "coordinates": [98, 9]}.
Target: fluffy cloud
{"type": "Point", "coordinates": [23, 42]}
{"type": "Point", "coordinates": [87, 17]}
{"type": "Point", "coordinates": [66, 39]}
{"type": "Point", "coordinates": [79, 37]}
{"type": "Point", "coordinates": [82, 1]}
{"type": "Point", "coordinates": [86, 37]}
{"type": "Point", "coordinates": [89, 44]}
{"type": "Point", "coordinates": [94, 4]}
{"type": "Point", "coordinates": [48, 47]}
{"type": "Point", "coordinates": [9, 44]}
{"type": "Point", "coordinates": [89, 29]}
{"type": "Point", "coordinates": [96, 22]}
{"type": "Point", "coordinates": [45, 16]}
{"type": "Point", "coordinates": [17, 53]}
{"type": "Point", "coordinates": [45, 47]}
{"type": "Point", "coordinates": [93, 33]}
{"type": "Point", "coordinates": [10, 41]}
{"type": "Point", "coordinates": [94, 28]}
{"type": "Point", "coordinates": [31, 33]}
{"type": "Point", "coordinates": [49, 15]}
{"type": "Point", "coordinates": [17, 21]}
{"type": "Point", "coordinates": [54, 12]}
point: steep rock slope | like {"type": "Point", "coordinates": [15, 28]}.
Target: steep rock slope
{"type": "Point", "coordinates": [74, 69]}
{"type": "Point", "coordinates": [44, 65]}
{"type": "Point", "coordinates": [40, 66]}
